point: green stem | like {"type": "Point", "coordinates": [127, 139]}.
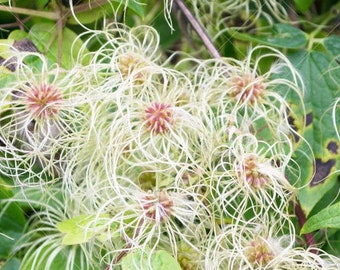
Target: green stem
{"type": "Point", "coordinates": [31, 12]}
{"type": "Point", "coordinates": [317, 30]}
{"type": "Point", "coordinates": [52, 15]}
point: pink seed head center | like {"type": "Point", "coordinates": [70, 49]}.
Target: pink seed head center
{"type": "Point", "coordinates": [158, 117]}
{"type": "Point", "coordinates": [43, 101]}
{"type": "Point", "coordinates": [157, 206]}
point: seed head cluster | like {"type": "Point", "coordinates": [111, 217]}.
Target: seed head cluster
{"type": "Point", "coordinates": [146, 162]}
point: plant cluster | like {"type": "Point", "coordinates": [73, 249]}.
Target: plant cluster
{"type": "Point", "coordinates": [120, 156]}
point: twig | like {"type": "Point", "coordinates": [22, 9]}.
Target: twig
{"type": "Point", "coordinates": [20, 24]}
{"type": "Point", "coordinates": [60, 25]}
{"type": "Point", "coordinates": [15, 24]}
{"type": "Point", "coordinates": [52, 15]}
{"type": "Point", "coordinates": [201, 32]}
{"type": "Point", "coordinates": [25, 11]}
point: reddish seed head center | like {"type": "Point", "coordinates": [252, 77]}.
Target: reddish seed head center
{"type": "Point", "coordinates": [43, 101]}
{"type": "Point", "coordinates": [247, 88]}
{"type": "Point", "coordinates": [158, 117]}
{"type": "Point", "coordinates": [254, 178]}
{"type": "Point", "coordinates": [157, 206]}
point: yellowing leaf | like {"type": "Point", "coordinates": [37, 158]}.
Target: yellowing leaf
{"type": "Point", "coordinates": [317, 155]}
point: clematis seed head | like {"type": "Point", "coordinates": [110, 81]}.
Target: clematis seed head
{"type": "Point", "coordinates": [252, 175]}
{"type": "Point", "coordinates": [247, 88]}
{"type": "Point", "coordinates": [258, 253]}
{"type": "Point", "coordinates": [130, 64]}
{"type": "Point", "coordinates": [158, 117]}
{"type": "Point", "coordinates": [157, 206]}
{"type": "Point", "coordinates": [43, 101]}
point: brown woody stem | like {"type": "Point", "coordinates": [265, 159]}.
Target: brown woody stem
{"type": "Point", "coordinates": [201, 32]}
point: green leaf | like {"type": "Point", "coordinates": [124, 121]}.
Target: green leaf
{"type": "Point", "coordinates": [332, 245]}
{"type": "Point", "coordinates": [327, 218]}
{"type": "Point", "coordinates": [332, 44]}
{"type": "Point", "coordinates": [318, 153]}
{"type": "Point", "coordinates": [286, 36]}
{"type": "Point", "coordinates": [281, 36]}
{"type": "Point", "coordinates": [5, 45]}
{"type": "Point", "coordinates": [55, 257]}
{"type": "Point", "coordinates": [45, 37]}
{"type": "Point", "coordinates": [11, 264]}
{"type": "Point", "coordinates": [160, 259]}
{"type": "Point", "coordinates": [167, 36]}
{"type": "Point", "coordinates": [92, 15]}
{"type": "Point", "coordinates": [18, 35]}
{"type": "Point", "coordinates": [108, 9]}
{"type": "Point", "coordinates": [82, 228]}
{"type": "Point", "coordinates": [303, 5]}
{"type": "Point", "coordinates": [8, 240]}
{"type": "Point", "coordinates": [137, 7]}
{"type": "Point", "coordinates": [12, 220]}
{"type": "Point", "coordinates": [40, 4]}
